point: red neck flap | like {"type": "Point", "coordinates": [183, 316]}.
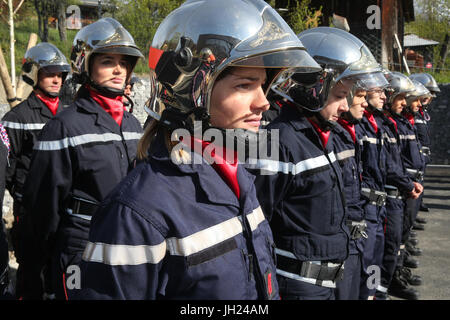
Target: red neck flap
{"type": "Point", "coordinates": [113, 106]}
{"type": "Point", "coordinates": [371, 119]}
{"type": "Point", "coordinates": [51, 103]}
{"type": "Point", "coordinates": [324, 135]}
{"type": "Point", "coordinates": [349, 127]}
{"type": "Point", "coordinates": [225, 168]}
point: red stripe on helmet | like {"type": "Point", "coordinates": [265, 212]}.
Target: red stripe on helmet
{"type": "Point", "coordinates": [153, 57]}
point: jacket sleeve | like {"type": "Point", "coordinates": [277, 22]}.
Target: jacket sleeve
{"type": "Point", "coordinates": [396, 174]}
{"type": "Point", "coordinates": [49, 182]}
{"type": "Point", "coordinates": [124, 256]}
{"type": "Point", "coordinates": [273, 178]}
{"type": "Point", "coordinates": [11, 121]}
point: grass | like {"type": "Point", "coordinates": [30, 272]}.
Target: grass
{"type": "Point", "coordinates": [22, 31]}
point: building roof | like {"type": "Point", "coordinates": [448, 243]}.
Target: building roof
{"type": "Point", "coordinates": [413, 40]}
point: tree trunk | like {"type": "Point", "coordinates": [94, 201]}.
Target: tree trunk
{"type": "Point", "coordinates": [42, 11]}
{"type": "Point", "coordinates": [62, 20]}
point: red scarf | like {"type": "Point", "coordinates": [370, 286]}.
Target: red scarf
{"type": "Point", "coordinates": [349, 127]}
{"type": "Point", "coordinates": [394, 122]}
{"type": "Point", "coordinates": [410, 118]}
{"type": "Point", "coordinates": [371, 119]}
{"type": "Point", "coordinates": [226, 169]}
{"type": "Point", "coordinates": [113, 106]}
{"type": "Point", "coordinates": [324, 135]}
{"type": "Point", "coordinates": [51, 103]}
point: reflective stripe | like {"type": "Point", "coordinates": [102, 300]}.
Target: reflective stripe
{"type": "Point", "coordinates": [413, 171]}
{"type": "Point", "coordinates": [120, 254]}
{"type": "Point", "coordinates": [389, 139]}
{"type": "Point", "coordinates": [420, 121]}
{"type": "Point", "coordinates": [211, 236]}
{"type": "Point", "coordinates": [201, 240]}
{"type": "Point", "coordinates": [370, 140]}
{"type": "Point", "coordinates": [205, 238]}
{"type": "Point", "coordinates": [382, 289]}
{"type": "Point", "coordinates": [345, 154]}
{"type": "Point", "coordinates": [23, 126]}
{"type": "Point", "coordinates": [82, 216]}
{"type": "Point", "coordinates": [84, 139]}
{"type": "Point", "coordinates": [289, 167]}
{"type": "Point", "coordinates": [407, 137]}
{"type": "Point", "coordinates": [255, 218]}
{"type": "Point", "coordinates": [326, 283]}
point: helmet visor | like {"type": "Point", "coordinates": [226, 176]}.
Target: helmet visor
{"type": "Point", "coordinates": [127, 51]}
{"type": "Point", "coordinates": [56, 68]}
{"type": "Point", "coordinates": [293, 58]}
{"type": "Point", "coordinates": [370, 81]}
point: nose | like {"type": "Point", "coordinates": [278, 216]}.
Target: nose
{"type": "Point", "coordinates": [343, 107]}
{"type": "Point", "coordinates": [365, 104]}
{"type": "Point", "coordinates": [260, 102]}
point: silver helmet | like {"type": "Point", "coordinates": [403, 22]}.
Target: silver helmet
{"type": "Point", "coordinates": [201, 38]}
{"type": "Point", "coordinates": [106, 35]}
{"type": "Point", "coordinates": [344, 58]}
{"type": "Point", "coordinates": [428, 81]}
{"type": "Point", "coordinates": [43, 56]}
{"type": "Point", "coordinates": [419, 92]}
{"type": "Point", "coordinates": [398, 84]}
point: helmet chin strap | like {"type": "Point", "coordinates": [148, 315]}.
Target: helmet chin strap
{"type": "Point", "coordinates": [350, 118]}
{"type": "Point", "coordinates": [325, 125]}
{"type": "Point", "coordinates": [106, 91]}
{"type": "Point", "coordinates": [46, 93]}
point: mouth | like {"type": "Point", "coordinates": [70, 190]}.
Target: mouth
{"type": "Point", "coordinates": [254, 122]}
{"type": "Point", "coordinates": [117, 80]}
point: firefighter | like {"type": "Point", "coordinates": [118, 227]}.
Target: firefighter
{"type": "Point", "coordinates": [303, 197]}
{"type": "Point", "coordinates": [395, 278]}
{"type": "Point", "coordinates": [421, 123]}
{"type": "Point", "coordinates": [83, 152]}
{"type": "Point", "coordinates": [413, 162]}
{"type": "Point", "coordinates": [179, 227]}
{"type": "Point", "coordinates": [6, 290]}
{"type": "Point", "coordinates": [45, 69]}
{"type": "Point", "coordinates": [379, 171]}
{"type": "Point", "coordinates": [348, 153]}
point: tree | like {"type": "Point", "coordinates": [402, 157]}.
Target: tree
{"type": "Point", "coordinates": [302, 17]}
{"type": "Point", "coordinates": [43, 10]}
{"type": "Point", "coordinates": [142, 17]}
{"type": "Point", "coordinates": [61, 15]}
{"type": "Point", "coordinates": [432, 21]}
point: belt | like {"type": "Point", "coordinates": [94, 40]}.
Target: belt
{"type": "Point", "coordinates": [426, 151]}
{"type": "Point", "coordinates": [318, 270]}
{"type": "Point", "coordinates": [417, 175]}
{"type": "Point", "coordinates": [357, 229]}
{"type": "Point", "coordinates": [81, 207]}
{"type": "Point", "coordinates": [377, 198]}
{"type": "Point", "coordinates": [393, 193]}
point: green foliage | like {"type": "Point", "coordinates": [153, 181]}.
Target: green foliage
{"type": "Point", "coordinates": [142, 18]}
{"type": "Point", "coordinates": [302, 17]}
{"type": "Point", "coordinates": [432, 21]}
{"type": "Point", "coordinates": [22, 31]}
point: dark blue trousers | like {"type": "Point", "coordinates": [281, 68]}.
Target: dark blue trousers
{"type": "Point", "coordinates": [393, 237]}
{"type": "Point", "coordinates": [291, 289]}
{"type": "Point", "coordinates": [348, 287]}
{"type": "Point", "coordinates": [373, 248]}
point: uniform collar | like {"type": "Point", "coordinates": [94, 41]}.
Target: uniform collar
{"type": "Point", "coordinates": [211, 183]}
{"type": "Point", "coordinates": [36, 103]}
{"type": "Point", "coordinates": [87, 104]}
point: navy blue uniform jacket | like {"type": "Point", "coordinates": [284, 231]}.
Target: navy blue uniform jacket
{"type": "Point", "coordinates": [177, 231]}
